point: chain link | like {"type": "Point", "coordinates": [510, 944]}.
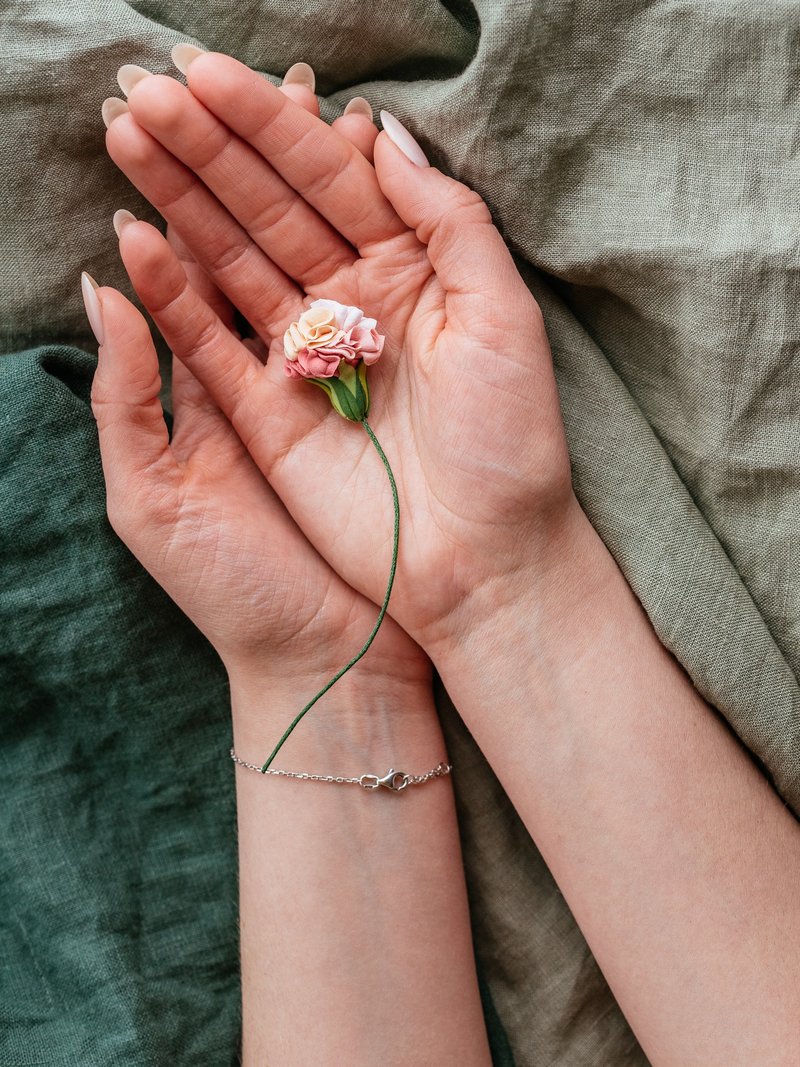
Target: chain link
{"type": "Point", "coordinates": [394, 780]}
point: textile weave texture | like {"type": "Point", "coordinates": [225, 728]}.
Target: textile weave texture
{"type": "Point", "coordinates": [640, 161]}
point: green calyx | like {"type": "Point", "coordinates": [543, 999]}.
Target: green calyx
{"type": "Point", "coordinates": [348, 392]}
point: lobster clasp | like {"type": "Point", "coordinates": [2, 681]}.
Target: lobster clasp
{"type": "Point", "coordinates": [394, 780]}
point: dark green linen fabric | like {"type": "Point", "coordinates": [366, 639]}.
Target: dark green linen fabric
{"type": "Point", "coordinates": [118, 937]}
{"type": "Point", "coordinates": [640, 159]}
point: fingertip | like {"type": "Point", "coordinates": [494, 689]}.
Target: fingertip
{"type": "Point", "coordinates": [111, 109]}
{"type": "Point", "coordinates": [127, 143]}
{"type": "Point", "coordinates": [118, 312]}
{"type": "Point", "coordinates": [158, 102]}
{"type": "Point", "coordinates": [184, 54]}
{"type": "Point", "coordinates": [217, 79]}
{"type": "Point", "coordinates": [302, 95]}
{"type": "Point", "coordinates": [208, 63]}
{"type": "Point", "coordinates": [121, 219]}
{"type": "Point", "coordinates": [136, 235]}
{"type": "Point", "coordinates": [359, 130]}
{"type": "Point", "coordinates": [403, 139]}
{"type": "Point", "coordinates": [359, 105]}
{"type": "Point", "coordinates": [129, 75]}
{"type": "Point", "coordinates": [92, 302]}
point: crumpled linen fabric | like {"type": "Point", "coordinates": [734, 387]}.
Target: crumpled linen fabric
{"type": "Point", "coordinates": [640, 161]}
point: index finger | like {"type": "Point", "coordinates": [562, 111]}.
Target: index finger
{"type": "Point", "coordinates": [323, 167]}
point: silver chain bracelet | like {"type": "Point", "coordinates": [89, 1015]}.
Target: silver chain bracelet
{"type": "Point", "coordinates": [394, 780]}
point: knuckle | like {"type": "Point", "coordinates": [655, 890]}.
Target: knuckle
{"type": "Point", "coordinates": [231, 255]}
{"type": "Point", "coordinates": [468, 199]}
{"type": "Point", "coordinates": [192, 341]}
{"type": "Point", "coordinates": [469, 208]}
{"type": "Point", "coordinates": [325, 179]}
{"type": "Point", "coordinates": [99, 393]}
{"type": "Point", "coordinates": [167, 296]}
{"type": "Point", "coordinates": [182, 252]}
{"type": "Point", "coordinates": [182, 188]}
{"type": "Point", "coordinates": [203, 336]}
{"type": "Point", "coordinates": [463, 209]}
{"type": "Point", "coordinates": [284, 311]}
{"type": "Point", "coordinates": [143, 384]}
{"type": "Point", "coordinates": [208, 150]}
{"type": "Point", "coordinates": [536, 312]}
{"type": "Point", "coordinates": [265, 219]}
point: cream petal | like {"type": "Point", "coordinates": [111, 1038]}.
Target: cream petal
{"type": "Point", "coordinates": [327, 336]}
{"type": "Point", "coordinates": [293, 341]}
{"type": "Point", "coordinates": [314, 316]}
{"type": "Point", "coordinates": [333, 305]}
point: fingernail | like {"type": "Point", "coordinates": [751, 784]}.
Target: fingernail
{"type": "Point", "coordinates": [300, 74]}
{"type": "Point", "coordinates": [130, 75]}
{"type": "Point", "coordinates": [403, 139]}
{"type": "Point", "coordinates": [184, 54]}
{"type": "Point", "coordinates": [91, 301]}
{"type": "Point", "coordinates": [121, 220]}
{"type": "Point", "coordinates": [359, 106]}
{"type": "Point", "coordinates": [112, 109]}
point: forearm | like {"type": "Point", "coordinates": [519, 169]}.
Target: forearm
{"type": "Point", "coordinates": [355, 934]}
{"type": "Point", "coordinates": [677, 859]}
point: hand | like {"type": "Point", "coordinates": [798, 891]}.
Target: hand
{"type": "Point", "coordinates": [201, 518]}
{"type": "Point", "coordinates": [273, 202]}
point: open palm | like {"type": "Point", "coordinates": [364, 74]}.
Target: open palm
{"type": "Point", "coordinates": [199, 515]}
{"type": "Point", "coordinates": [276, 205]}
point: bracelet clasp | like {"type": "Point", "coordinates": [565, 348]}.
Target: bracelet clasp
{"type": "Point", "coordinates": [394, 780]}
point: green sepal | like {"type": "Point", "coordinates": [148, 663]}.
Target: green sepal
{"type": "Point", "coordinates": [348, 392]}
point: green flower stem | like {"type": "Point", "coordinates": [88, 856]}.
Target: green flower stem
{"type": "Point", "coordinates": [384, 606]}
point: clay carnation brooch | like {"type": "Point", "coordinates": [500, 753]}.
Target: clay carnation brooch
{"type": "Point", "coordinates": [331, 345]}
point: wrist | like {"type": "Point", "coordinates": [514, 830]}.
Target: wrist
{"type": "Point", "coordinates": [376, 712]}
{"type": "Point", "coordinates": [537, 592]}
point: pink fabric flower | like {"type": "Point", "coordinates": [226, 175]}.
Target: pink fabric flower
{"type": "Point", "coordinates": [342, 346]}
{"type": "Point", "coordinates": [326, 334]}
{"type": "Point", "coordinates": [344, 315]}
{"type": "Point", "coordinates": [315, 327]}
{"type": "Point", "coordinates": [366, 340]}
{"type": "Point", "coordinates": [313, 363]}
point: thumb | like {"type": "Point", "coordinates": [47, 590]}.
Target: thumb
{"type": "Point", "coordinates": [138, 463]}
{"type": "Point", "coordinates": [465, 248]}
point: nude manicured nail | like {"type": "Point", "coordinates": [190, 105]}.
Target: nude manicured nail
{"type": "Point", "coordinates": [130, 75]}
{"type": "Point", "coordinates": [94, 310]}
{"type": "Point", "coordinates": [300, 74]}
{"type": "Point", "coordinates": [121, 220]}
{"type": "Point", "coordinates": [403, 139]}
{"type": "Point", "coordinates": [112, 109]}
{"type": "Point", "coordinates": [184, 54]}
{"type": "Point", "coordinates": [359, 105]}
